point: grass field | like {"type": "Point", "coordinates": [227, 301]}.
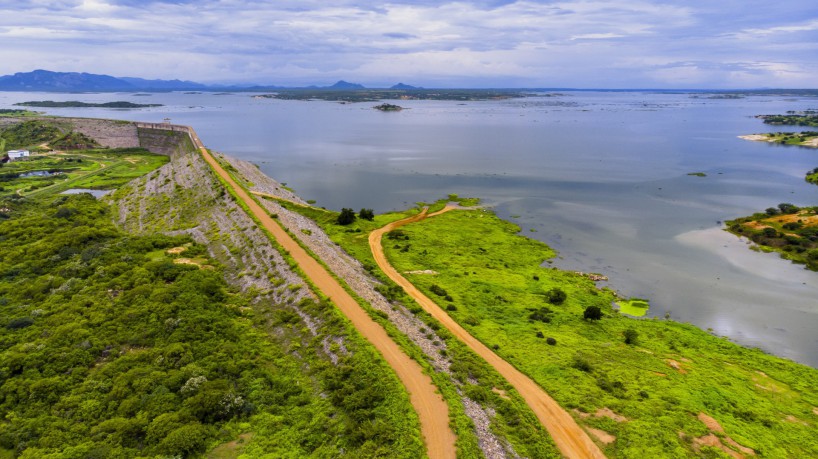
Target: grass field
{"type": "Point", "coordinates": [495, 286]}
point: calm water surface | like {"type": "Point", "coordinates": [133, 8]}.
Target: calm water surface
{"type": "Point", "coordinates": [601, 177]}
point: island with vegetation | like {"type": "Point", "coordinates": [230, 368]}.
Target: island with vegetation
{"type": "Point", "coordinates": [376, 95]}
{"type": "Point", "coordinates": [787, 229]}
{"type": "Point", "coordinates": [388, 107]}
{"type": "Point", "coordinates": [78, 104]}
{"type": "Point", "coordinates": [793, 118]}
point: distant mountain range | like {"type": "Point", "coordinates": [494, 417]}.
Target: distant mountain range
{"type": "Point", "coordinates": [45, 80]}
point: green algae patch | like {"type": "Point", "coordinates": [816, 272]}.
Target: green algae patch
{"type": "Point", "coordinates": [636, 307]}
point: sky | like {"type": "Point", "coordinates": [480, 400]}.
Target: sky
{"type": "Point", "coordinates": [470, 43]}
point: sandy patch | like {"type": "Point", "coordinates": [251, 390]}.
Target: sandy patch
{"type": "Point", "coordinates": [715, 442]}
{"type": "Point", "coordinates": [755, 225]}
{"type": "Point", "coordinates": [808, 220]}
{"type": "Point", "coordinates": [676, 366]}
{"type": "Point", "coordinates": [175, 250]}
{"type": "Point", "coordinates": [742, 448]}
{"type": "Point", "coordinates": [190, 261]}
{"type": "Point", "coordinates": [794, 420]}
{"type": "Point", "coordinates": [608, 413]}
{"type": "Point", "coordinates": [601, 435]}
{"type": "Point", "coordinates": [756, 137]}
{"type": "Point", "coordinates": [815, 411]}
{"type": "Point", "coordinates": [423, 271]}
{"type": "Point", "coordinates": [501, 393]}
{"type": "Point", "coordinates": [233, 448]}
{"type": "Point", "coordinates": [711, 423]}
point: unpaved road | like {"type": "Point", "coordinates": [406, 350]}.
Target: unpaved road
{"type": "Point", "coordinates": [430, 406]}
{"type": "Point", "coordinates": [572, 441]}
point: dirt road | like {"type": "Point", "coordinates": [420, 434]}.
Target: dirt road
{"type": "Point", "coordinates": [430, 406]}
{"type": "Point", "coordinates": [572, 441]}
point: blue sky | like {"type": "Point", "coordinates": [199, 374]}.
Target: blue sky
{"type": "Point", "coordinates": [479, 43]}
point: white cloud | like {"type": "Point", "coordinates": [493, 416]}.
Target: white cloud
{"type": "Point", "coordinates": [616, 43]}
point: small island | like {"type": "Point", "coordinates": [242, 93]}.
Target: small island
{"type": "Point", "coordinates": [388, 107]}
{"type": "Point", "coordinates": [78, 104]}
{"type": "Point", "coordinates": [792, 118]}
{"type": "Point", "coordinates": [787, 229]}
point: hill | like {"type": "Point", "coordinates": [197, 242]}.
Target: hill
{"type": "Point", "coordinates": [45, 80]}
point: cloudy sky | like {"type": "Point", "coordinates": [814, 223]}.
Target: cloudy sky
{"type": "Point", "coordinates": [470, 43]}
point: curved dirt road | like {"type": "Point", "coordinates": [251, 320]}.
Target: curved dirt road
{"type": "Point", "coordinates": [572, 441]}
{"type": "Point", "coordinates": [429, 405]}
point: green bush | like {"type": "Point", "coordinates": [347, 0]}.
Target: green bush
{"type": "Point", "coordinates": [592, 313]}
{"type": "Point", "coordinates": [346, 217]}
{"type": "Point", "coordinates": [556, 296]}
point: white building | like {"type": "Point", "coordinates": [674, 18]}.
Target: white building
{"type": "Point", "coordinates": [18, 154]}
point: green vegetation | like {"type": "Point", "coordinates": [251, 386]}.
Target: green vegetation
{"type": "Point", "coordinates": [100, 169]}
{"type": "Point", "coordinates": [30, 133]}
{"type": "Point", "coordinates": [74, 141]}
{"type": "Point", "coordinates": [791, 119]}
{"type": "Point", "coordinates": [111, 349]}
{"type": "Point", "coordinates": [366, 214]}
{"type": "Point", "coordinates": [812, 176]}
{"type": "Point", "coordinates": [78, 104]}
{"type": "Point", "coordinates": [14, 113]}
{"type": "Point", "coordinates": [346, 217]}
{"type": "Point", "coordinates": [697, 174]}
{"type": "Point", "coordinates": [786, 229]}
{"type": "Point", "coordinates": [657, 384]}
{"type": "Point", "coordinates": [636, 307]}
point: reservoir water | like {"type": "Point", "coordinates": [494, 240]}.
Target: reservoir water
{"type": "Point", "coordinates": [600, 176]}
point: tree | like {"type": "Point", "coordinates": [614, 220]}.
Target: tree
{"type": "Point", "coordinates": [592, 313]}
{"type": "Point", "coordinates": [787, 208]}
{"type": "Point", "coordinates": [366, 214]}
{"type": "Point", "coordinates": [346, 217]}
{"type": "Point", "coordinates": [556, 296]}
{"type": "Point", "coordinates": [631, 336]}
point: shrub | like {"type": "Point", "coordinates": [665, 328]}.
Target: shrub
{"type": "Point", "coordinates": [787, 208]}
{"type": "Point", "coordinates": [346, 216]}
{"type": "Point", "coordinates": [581, 364]}
{"type": "Point", "coordinates": [451, 307]}
{"type": "Point", "coordinates": [186, 440]}
{"type": "Point", "coordinates": [551, 341]}
{"type": "Point", "coordinates": [472, 321]}
{"type": "Point", "coordinates": [366, 214]}
{"type": "Point", "coordinates": [592, 313]}
{"type": "Point", "coordinates": [556, 296]}
{"type": "Point", "coordinates": [631, 336]}
{"type": "Point", "coordinates": [21, 322]}
{"type": "Point", "coordinates": [437, 290]}
{"type": "Point", "coordinates": [540, 335]}
{"type": "Point", "coordinates": [543, 315]}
